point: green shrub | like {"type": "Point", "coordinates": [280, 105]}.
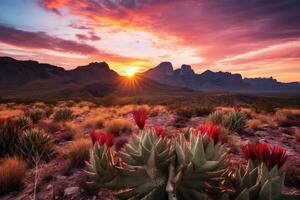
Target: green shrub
{"type": "Point", "coordinates": [35, 114]}
{"type": "Point", "coordinates": [235, 121]}
{"type": "Point", "coordinates": [35, 145]}
{"type": "Point", "coordinates": [24, 123]}
{"type": "Point", "coordinates": [12, 172]}
{"type": "Point", "coordinates": [64, 114]}
{"type": "Point", "coordinates": [9, 137]}
{"type": "Point", "coordinates": [217, 117]}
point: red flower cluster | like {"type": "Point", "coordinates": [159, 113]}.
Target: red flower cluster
{"type": "Point", "coordinates": [212, 132]}
{"type": "Point", "coordinates": [140, 116]}
{"type": "Point", "coordinates": [263, 153]}
{"type": "Point", "coordinates": [160, 132]}
{"type": "Point", "coordinates": [102, 138]}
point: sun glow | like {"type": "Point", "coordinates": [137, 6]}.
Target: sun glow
{"type": "Point", "coordinates": [131, 71]}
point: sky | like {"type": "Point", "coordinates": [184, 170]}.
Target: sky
{"type": "Point", "coordinates": [256, 38]}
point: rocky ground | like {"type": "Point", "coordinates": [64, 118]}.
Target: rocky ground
{"type": "Point", "coordinates": [57, 180]}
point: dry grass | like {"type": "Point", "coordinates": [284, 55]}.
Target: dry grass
{"type": "Point", "coordinates": [118, 126]}
{"type": "Point", "coordinates": [50, 126]}
{"type": "Point", "coordinates": [7, 113]}
{"type": "Point", "coordinates": [254, 123]}
{"type": "Point", "coordinates": [79, 152]}
{"type": "Point", "coordinates": [12, 172]}
{"type": "Point", "coordinates": [96, 122]}
{"type": "Point", "coordinates": [79, 110]}
{"type": "Point", "coordinates": [297, 135]}
{"type": "Point", "coordinates": [74, 128]}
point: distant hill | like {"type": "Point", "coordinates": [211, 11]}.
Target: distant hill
{"type": "Point", "coordinates": [216, 81]}
{"type": "Point", "coordinates": [30, 79]}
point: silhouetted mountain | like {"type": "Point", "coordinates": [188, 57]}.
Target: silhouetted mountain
{"type": "Point", "coordinates": [216, 81]}
{"type": "Point", "coordinates": [30, 79]}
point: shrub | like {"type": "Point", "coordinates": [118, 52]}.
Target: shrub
{"type": "Point", "coordinates": [96, 122]}
{"type": "Point", "coordinates": [235, 121]}
{"type": "Point", "coordinates": [291, 119]}
{"type": "Point", "coordinates": [24, 123]}
{"type": "Point", "coordinates": [264, 107]}
{"type": "Point", "coordinates": [9, 137]}
{"type": "Point", "coordinates": [36, 114]}
{"type": "Point", "coordinates": [12, 172]}
{"type": "Point", "coordinates": [118, 126]}
{"type": "Point", "coordinates": [217, 117]}
{"type": "Point", "coordinates": [79, 152]}
{"type": "Point", "coordinates": [35, 145]}
{"type": "Point", "coordinates": [64, 114]}
{"type": "Point", "coordinates": [254, 124]}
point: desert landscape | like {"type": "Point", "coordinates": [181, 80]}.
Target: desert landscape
{"type": "Point", "coordinates": [54, 141]}
{"type": "Point", "coordinates": [149, 100]}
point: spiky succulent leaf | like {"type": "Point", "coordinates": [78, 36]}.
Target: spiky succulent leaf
{"type": "Point", "coordinates": [200, 164]}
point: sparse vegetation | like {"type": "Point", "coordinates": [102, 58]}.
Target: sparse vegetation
{"type": "Point", "coordinates": [35, 145]}
{"type": "Point", "coordinates": [216, 117]}
{"type": "Point", "coordinates": [12, 172]}
{"type": "Point", "coordinates": [235, 121]}
{"type": "Point", "coordinates": [118, 126]}
{"type": "Point", "coordinates": [254, 124]}
{"type": "Point", "coordinates": [35, 114]}
{"type": "Point", "coordinates": [23, 123]}
{"type": "Point", "coordinates": [9, 137]}
{"type": "Point", "coordinates": [79, 152]}
{"type": "Point", "coordinates": [264, 107]}
{"type": "Point", "coordinates": [64, 114]}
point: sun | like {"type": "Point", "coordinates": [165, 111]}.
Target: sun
{"type": "Point", "coordinates": [131, 71]}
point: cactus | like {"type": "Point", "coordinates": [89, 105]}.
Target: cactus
{"type": "Point", "coordinates": [64, 114]}
{"type": "Point", "coordinates": [146, 157]}
{"type": "Point", "coordinates": [199, 168]}
{"type": "Point", "coordinates": [35, 145]}
{"type": "Point", "coordinates": [262, 178]}
{"type": "Point", "coordinates": [161, 166]}
{"type": "Point", "coordinates": [9, 137]}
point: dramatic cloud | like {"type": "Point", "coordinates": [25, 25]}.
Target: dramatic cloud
{"type": "Point", "coordinates": [248, 37]}
{"type": "Point", "coordinates": [41, 40]}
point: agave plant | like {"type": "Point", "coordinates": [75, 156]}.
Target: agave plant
{"type": "Point", "coordinates": [35, 145]}
{"type": "Point", "coordinates": [64, 114]}
{"type": "Point", "coordinates": [217, 117]}
{"type": "Point", "coordinates": [262, 178]}
{"type": "Point", "coordinates": [23, 123]}
{"type": "Point", "coordinates": [235, 121]}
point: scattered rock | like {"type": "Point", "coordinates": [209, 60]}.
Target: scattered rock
{"type": "Point", "coordinates": [70, 191]}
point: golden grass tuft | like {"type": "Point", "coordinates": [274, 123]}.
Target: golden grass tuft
{"type": "Point", "coordinates": [254, 123]}
{"type": "Point", "coordinates": [79, 152]}
{"type": "Point", "coordinates": [96, 122]}
{"type": "Point", "coordinates": [12, 172]}
{"type": "Point", "coordinates": [118, 126]}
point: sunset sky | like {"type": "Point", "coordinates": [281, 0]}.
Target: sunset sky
{"type": "Point", "coordinates": [257, 38]}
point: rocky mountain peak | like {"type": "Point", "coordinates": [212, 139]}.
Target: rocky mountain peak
{"type": "Point", "coordinates": [186, 70]}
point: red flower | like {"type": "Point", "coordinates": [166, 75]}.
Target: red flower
{"type": "Point", "coordinates": [212, 132]}
{"type": "Point", "coordinates": [250, 152]}
{"type": "Point", "coordinates": [160, 132]}
{"type": "Point", "coordinates": [277, 157]}
{"type": "Point", "coordinates": [140, 116]}
{"type": "Point", "coordinates": [263, 153]}
{"type": "Point", "coordinates": [94, 136]}
{"type": "Point", "coordinates": [102, 138]}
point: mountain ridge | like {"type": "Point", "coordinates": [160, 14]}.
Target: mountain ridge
{"type": "Point", "coordinates": [31, 78]}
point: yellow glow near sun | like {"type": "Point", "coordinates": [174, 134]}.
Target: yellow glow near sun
{"type": "Point", "coordinates": [131, 71]}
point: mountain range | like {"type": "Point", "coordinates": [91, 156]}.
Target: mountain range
{"type": "Point", "coordinates": [216, 81]}
{"type": "Point", "coordinates": [30, 79]}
